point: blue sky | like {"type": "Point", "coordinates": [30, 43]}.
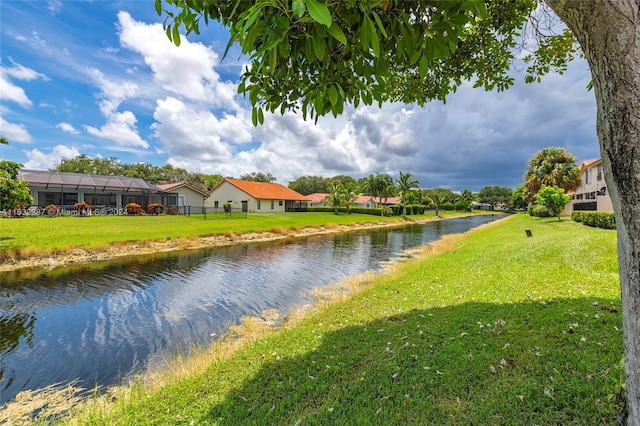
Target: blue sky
{"type": "Point", "coordinates": [100, 78]}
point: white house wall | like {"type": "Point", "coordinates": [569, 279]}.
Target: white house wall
{"type": "Point", "coordinates": [229, 193]}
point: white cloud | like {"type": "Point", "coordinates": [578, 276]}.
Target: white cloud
{"type": "Point", "coordinates": [186, 71]}
{"type": "Point", "coordinates": [39, 160]}
{"type": "Point", "coordinates": [13, 93]}
{"type": "Point", "coordinates": [54, 6]}
{"type": "Point", "coordinates": [120, 128]}
{"type": "Point", "coordinates": [188, 133]}
{"type": "Point", "coordinates": [68, 128]}
{"type": "Point", "coordinates": [14, 132]}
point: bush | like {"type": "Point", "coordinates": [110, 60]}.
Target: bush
{"type": "Point", "coordinates": [51, 210]}
{"type": "Point", "coordinates": [448, 207]}
{"type": "Point", "coordinates": [155, 209]}
{"type": "Point", "coordinates": [376, 211]}
{"type": "Point", "coordinates": [464, 206]}
{"type": "Point", "coordinates": [540, 211]}
{"type": "Point", "coordinates": [81, 207]}
{"type": "Point", "coordinates": [133, 209]}
{"type": "Point", "coordinates": [604, 220]}
{"type": "Point", "coordinates": [173, 210]}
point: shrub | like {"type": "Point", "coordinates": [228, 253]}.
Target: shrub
{"type": "Point", "coordinates": [51, 210]}
{"type": "Point", "coordinates": [173, 210]}
{"type": "Point", "coordinates": [604, 220]}
{"type": "Point", "coordinates": [81, 207]}
{"type": "Point", "coordinates": [155, 208]}
{"type": "Point", "coordinates": [447, 206]}
{"type": "Point", "coordinates": [464, 206]}
{"type": "Point", "coordinates": [540, 211]}
{"type": "Point", "coordinates": [133, 209]}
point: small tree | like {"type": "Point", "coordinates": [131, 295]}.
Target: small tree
{"type": "Point", "coordinates": [12, 191]}
{"type": "Point", "coordinates": [552, 198]}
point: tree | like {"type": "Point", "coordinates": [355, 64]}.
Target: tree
{"type": "Point", "coordinates": [13, 192]}
{"type": "Point", "coordinates": [517, 199]}
{"type": "Point", "coordinates": [336, 196]}
{"type": "Point", "coordinates": [552, 167]}
{"type": "Point", "coordinates": [436, 200]}
{"type": "Point", "coordinates": [306, 185]}
{"type": "Point", "coordinates": [259, 177]}
{"type": "Point", "coordinates": [370, 186]}
{"type": "Point", "coordinates": [495, 195]}
{"type": "Point", "coordinates": [553, 198]}
{"type": "Point", "coordinates": [307, 56]}
{"type": "Point", "coordinates": [404, 185]}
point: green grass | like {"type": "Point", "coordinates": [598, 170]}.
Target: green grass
{"type": "Point", "coordinates": [59, 233]}
{"type": "Point", "coordinates": [501, 330]}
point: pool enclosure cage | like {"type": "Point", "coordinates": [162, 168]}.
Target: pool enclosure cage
{"type": "Point", "coordinates": [108, 193]}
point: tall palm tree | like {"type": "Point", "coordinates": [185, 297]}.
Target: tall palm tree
{"type": "Point", "coordinates": [436, 200]}
{"type": "Point", "coordinates": [551, 166]}
{"type": "Point", "coordinates": [386, 188]}
{"type": "Point", "coordinates": [370, 186]}
{"type": "Point", "coordinates": [335, 197]}
{"type": "Point", "coordinates": [349, 195]}
{"type": "Point", "coordinates": [405, 183]}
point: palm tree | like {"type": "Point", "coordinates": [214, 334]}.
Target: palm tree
{"type": "Point", "coordinates": [405, 184]}
{"type": "Point", "coordinates": [436, 200]}
{"type": "Point", "coordinates": [370, 186]}
{"type": "Point", "coordinates": [553, 167]}
{"type": "Point", "coordinates": [349, 195]}
{"type": "Point", "coordinates": [386, 188]}
{"type": "Point", "coordinates": [335, 197]}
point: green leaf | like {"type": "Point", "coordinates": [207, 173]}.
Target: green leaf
{"type": "Point", "coordinates": [159, 7]}
{"type": "Point", "coordinates": [254, 116]}
{"type": "Point", "coordinates": [319, 47]}
{"type": "Point", "coordinates": [365, 34]}
{"type": "Point", "coordinates": [319, 12]}
{"type": "Point", "coordinates": [380, 26]}
{"type": "Point", "coordinates": [298, 7]}
{"type": "Point", "coordinates": [333, 95]}
{"type": "Point", "coordinates": [260, 116]}
{"type": "Point", "coordinates": [422, 67]}
{"type": "Point", "coordinates": [176, 35]}
{"type": "Point", "coordinates": [337, 33]}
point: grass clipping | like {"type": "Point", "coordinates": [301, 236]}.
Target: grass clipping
{"type": "Point", "coordinates": [46, 403]}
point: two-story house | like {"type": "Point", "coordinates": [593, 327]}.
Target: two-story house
{"type": "Point", "coordinates": [592, 193]}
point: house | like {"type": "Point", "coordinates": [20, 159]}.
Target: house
{"type": "Point", "coordinates": [592, 193]}
{"type": "Point", "coordinates": [183, 194]}
{"type": "Point", "coordinates": [106, 192]}
{"type": "Point", "coordinates": [317, 199]}
{"type": "Point", "coordinates": [256, 197]}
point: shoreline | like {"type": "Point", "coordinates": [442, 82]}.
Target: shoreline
{"type": "Point", "coordinates": [79, 255]}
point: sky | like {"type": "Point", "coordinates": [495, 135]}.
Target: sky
{"type": "Point", "coordinates": [101, 78]}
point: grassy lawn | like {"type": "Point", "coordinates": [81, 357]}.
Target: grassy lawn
{"type": "Point", "coordinates": [496, 328]}
{"type": "Point", "coordinates": [57, 233]}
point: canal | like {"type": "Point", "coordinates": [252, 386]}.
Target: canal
{"type": "Point", "coordinates": [100, 323]}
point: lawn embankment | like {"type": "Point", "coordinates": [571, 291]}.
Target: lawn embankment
{"type": "Point", "coordinates": [491, 328]}
{"type": "Point", "coordinates": [55, 241]}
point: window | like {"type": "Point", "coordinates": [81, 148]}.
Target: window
{"type": "Point", "coordinates": [587, 176]}
{"type": "Point", "coordinates": [215, 204]}
{"type": "Point", "coordinates": [258, 204]}
{"type": "Point", "coordinates": [599, 177]}
{"type": "Point", "coordinates": [181, 200]}
{"type": "Point", "coordinates": [272, 204]}
{"type": "Point", "coordinates": [280, 203]}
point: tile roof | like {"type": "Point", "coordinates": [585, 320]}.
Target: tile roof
{"type": "Point", "coordinates": [589, 163]}
{"type": "Point", "coordinates": [170, 186]}
{"type": "Point", "coordinates": [317, 197]}
{"type": "Point", "coordinates": [266, 191]}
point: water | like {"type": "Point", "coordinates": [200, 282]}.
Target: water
{"type": "Point", "coordinates": [101, 323]}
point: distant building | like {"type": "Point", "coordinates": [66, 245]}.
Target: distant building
{"type": "Point", "coordinates": [258, 197]}
{"type": "Point", "coordinates": [592, 193]}
{"type": "Point", "coordinates": [66, 189]}
{"type": "Point", "coordinates": [183, 194]}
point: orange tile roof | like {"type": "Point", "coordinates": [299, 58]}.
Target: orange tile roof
{"type": "Point", "coordinates": [266, 191]}
{"type": "Point", "coordinates": [317, 197]}
{"type": "Point", "coordinates": [589, 163]}
{"type": "Point", "coordinates": [170, 186]}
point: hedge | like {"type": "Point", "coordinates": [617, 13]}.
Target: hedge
{"type": "Point", "coordinates": [359, 210]}
{"type": "Point", "coordinates": [604, 220]}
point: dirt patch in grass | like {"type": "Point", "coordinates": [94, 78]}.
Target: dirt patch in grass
{"type": "Point", "coordinates": [79, 255]}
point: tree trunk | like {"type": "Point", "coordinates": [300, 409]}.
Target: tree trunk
{"type": "Point", "coordinates": [609, 33]}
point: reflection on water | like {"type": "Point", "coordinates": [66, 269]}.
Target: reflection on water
{"type": "Point", "coordinates": [102, 323]}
